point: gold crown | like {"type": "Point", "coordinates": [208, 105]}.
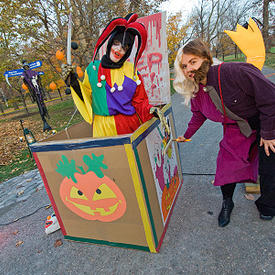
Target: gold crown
{"type": "Point", "coordinates": [250, 42]}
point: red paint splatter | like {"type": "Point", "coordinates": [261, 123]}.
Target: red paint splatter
{"type": "Point", "coordinates": [154, 58]}
{"type": "Point", "coordinates": [154, 21]}
{"type": "Point", "coordinates": [159, 174]}
{"type": "Point", "coordinates": [152, 76]}
{"type": "Point", "coordinates": [141, 61]}
{"type": "Point", "coordinates": [144, 75]}
{"type": "Point", "coordinates": [142, 68]}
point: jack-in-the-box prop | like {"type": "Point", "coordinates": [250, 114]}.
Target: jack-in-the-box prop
{"type": "Point", "coordinates": [117, 191]}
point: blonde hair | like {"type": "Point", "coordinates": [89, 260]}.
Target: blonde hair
{"type": "Point", "coordinates": [181, 84]}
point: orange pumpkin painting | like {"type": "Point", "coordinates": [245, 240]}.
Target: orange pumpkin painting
{"type": "Point", "coordinates": [169, 193]}
{"type": "Point", "coordinates": [90, 194]}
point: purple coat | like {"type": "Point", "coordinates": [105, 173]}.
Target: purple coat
{"type": "Point", "coordinates": [235, 163]}
{"type": "Point", "coordinates": [247, 93]}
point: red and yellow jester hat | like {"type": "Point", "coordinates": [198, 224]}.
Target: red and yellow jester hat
{"type": "Point", "coordinates": [127, 25]}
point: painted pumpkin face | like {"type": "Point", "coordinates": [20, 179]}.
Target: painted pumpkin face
{"type": "Point", "coordinates": [93, 198]}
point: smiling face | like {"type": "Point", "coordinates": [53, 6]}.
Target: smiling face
{"type": "Point", "coordinates": [117, 51]}
{"type": "Point", "coordinates": [93, 198]}
{"type": "Point", "coordinates": [190, 64]}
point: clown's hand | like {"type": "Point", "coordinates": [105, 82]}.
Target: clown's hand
{"type": "Point", "coordinates": [160, 115]}
{"type": "Point", "coordinates": [68, 74]}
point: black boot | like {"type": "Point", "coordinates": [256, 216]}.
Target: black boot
{"type": "Point", "coordinates": [224, 216]}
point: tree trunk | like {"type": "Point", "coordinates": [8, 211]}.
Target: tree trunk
{"type": "Point", "coordinates": [2, 109]}
{"type": "Point", "coordinates": [266, 26]}
{"type": "Point", "coordinates": [15, 105]}
{"type": "Point", "coordinates": [48, 94]}
{"type": "Point", "coordinates": [59, 93]}
{"type": "Point", "coordinates": [24, 102]}
{"type": "Point", "coordinates": [236, 51]}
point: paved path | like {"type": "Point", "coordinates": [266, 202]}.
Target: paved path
{"type": "Point", "coordinates": [194, 244]}
{"type": "Point", "coordinates": [19, 189]}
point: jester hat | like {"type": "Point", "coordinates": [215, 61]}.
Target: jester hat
{"type": "Point", "coordinates": [127, 28]}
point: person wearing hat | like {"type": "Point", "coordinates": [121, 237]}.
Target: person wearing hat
{"type": "Point", "coordinates": [112, 96]}
{"type": "Point", "coordinates": [240, 97]}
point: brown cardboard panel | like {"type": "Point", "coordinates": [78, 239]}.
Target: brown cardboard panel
{"type": "Point", "coordinates": [150, 186]}
{"type": "Point", "coordinates": [126, 229]}
{"type": "Point", "coordinates": [80, 130]}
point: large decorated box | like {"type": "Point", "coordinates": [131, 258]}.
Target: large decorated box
{"type": "Point", "coordinates": [118, 191]}
{"type": "Point", "coordinates": [121, 190]}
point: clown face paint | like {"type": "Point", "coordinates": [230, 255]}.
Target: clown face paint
{"type": "Point", "coordinates": [117, 51]}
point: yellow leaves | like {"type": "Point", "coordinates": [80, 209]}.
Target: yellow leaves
{"type": "Point", "coordinates": [58, 243]}
{"type": "Point", "coordinates": [176, 31]}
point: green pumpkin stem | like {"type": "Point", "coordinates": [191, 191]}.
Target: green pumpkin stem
{"type": "Point", "coordinates": [95, 164]}
{"type": "Point", "coordinates": [68, 169]}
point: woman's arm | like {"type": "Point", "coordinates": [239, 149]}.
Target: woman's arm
{"type": "Point", "coordinates": [195, 122]}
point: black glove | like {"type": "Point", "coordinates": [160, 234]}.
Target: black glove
{"type": "Point", "coordinates": [70, 78]}
{"type": "Point", "coordinates": [68, 73]}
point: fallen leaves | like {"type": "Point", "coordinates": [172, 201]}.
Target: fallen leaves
{"type": "Point", "coordinates": [58, 243]}
{"type": "Point", "coordinates": [249, 197]}
{"type": "Point", "coordinates": [19, 243]}
{"type": "Point", "coordinates": [15, 232]}
{"type": "Point", "coordinates": [10, 133]}
{"type": "Point", "coordinates": [20, 193]}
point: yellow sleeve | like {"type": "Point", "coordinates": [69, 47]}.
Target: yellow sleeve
{"type": "Point", "coordinates": [84, 107]}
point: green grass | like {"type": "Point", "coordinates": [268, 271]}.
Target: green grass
{"type": "Point", "coordinates": [172, 90]}
{"type": "Point", "coordinates": [269, 59]}
{"type": "Point", "coordinates": [231, 58]}
{"type": "Point", "coordinates": [23, 163]}
{"type": "Point", "coordinates": [60, 114]}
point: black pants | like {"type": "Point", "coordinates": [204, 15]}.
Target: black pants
{"type": "Point", "coordinates": [266, 202]}
{"type": "Point", "coordinates": [228, 190]}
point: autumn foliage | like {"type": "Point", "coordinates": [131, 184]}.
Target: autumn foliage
{"type": "Point", "coordinates": [175, 34]}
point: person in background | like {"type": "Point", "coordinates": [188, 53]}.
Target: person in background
{"type": "Point", "coordinates": [112, 96]}
{"type": "Point", "coordinates": [240, 97]}
{"type": "Point", "coordinates": [33, 81]}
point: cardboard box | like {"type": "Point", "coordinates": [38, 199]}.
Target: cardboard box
{"type": "Point", "coordinates": [117, 191]}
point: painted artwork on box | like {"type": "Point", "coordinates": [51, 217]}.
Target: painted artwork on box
{"type": "Point", "coordinates": [165, 170]}
{"type": "Point", "coordinates": [88, 192]}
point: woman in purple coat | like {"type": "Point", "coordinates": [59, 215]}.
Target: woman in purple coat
{"type": "Point", "coordinates": [240, 97]}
